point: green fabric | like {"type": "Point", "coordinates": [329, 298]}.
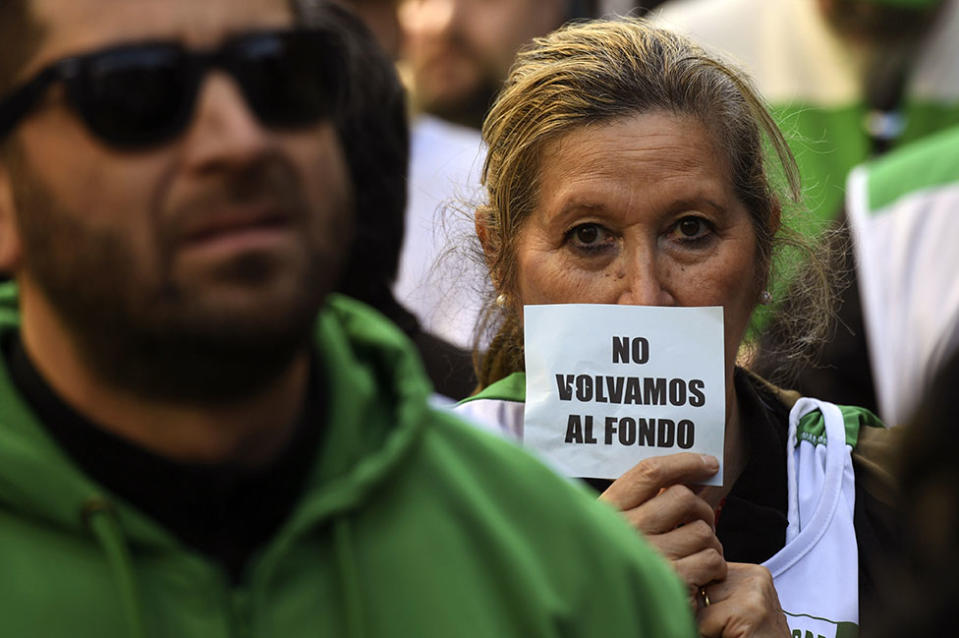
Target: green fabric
{"type": "Point", "coordinates": [413, 524]}
{"type": "Point", "coordinates": [929, 163]}
{"type": "Point", "coordinates": [510, 388]}
{"type": "Point", "coordinates": [812, 427]}
{"type": "Point", "coordinates": [828, 143]}
{"type": "Point", "coordinates": [843, 629]}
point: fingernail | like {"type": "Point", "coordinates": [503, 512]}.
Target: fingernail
{"type": "Point", "coordinates": [711, 462]}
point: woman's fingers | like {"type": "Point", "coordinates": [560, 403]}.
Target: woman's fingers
{"type": "Point", "coordinates": [743, 604]}
{"type": "Point", "coordinates": [701, 568]}
{"type": "Point", "coordinates": [685, 541]}
{"type": "Point", "coordinates": [645, 479]}
{"type": "Point", "coordinates": [655, 499]}
{"type": "Point", "coordinates": [675, 505]}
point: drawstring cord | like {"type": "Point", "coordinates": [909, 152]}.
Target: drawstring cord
{"type": "Point", "coordinates": [348, 574]}
{"type": "Point", "coordinates": [99, 518]}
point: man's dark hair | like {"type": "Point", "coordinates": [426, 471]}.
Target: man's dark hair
{"type": "Point", "coordinates": [20, 34]}
{"type": "Point", "coordinates": [373, 129]}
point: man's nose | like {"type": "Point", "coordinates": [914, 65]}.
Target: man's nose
{"type": "Point", "coordinates": [225, 131]}
{"type": "Point", "coordinates": [643, 281]}
{"type": "Point", "coordinates": [431, 16]}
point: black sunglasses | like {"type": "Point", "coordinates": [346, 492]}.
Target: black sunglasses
{"type": "Point", "coordinates": [141, 95]}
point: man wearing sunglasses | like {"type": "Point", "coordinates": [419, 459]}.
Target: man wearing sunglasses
{"type": "Point", "coordinates": [196, 437]}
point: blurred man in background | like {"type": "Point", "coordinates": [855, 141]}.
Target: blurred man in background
{"type": "Point", "coordinates": [459, 51]}
{"type": "Point", "coordinates": [382, 19]}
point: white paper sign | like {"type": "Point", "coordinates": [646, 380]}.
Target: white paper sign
{"type": "Point", "coordinates": [609, 385]}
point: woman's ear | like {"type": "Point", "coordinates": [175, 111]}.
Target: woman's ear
{"type": "Point", "coordinates": [484, 234]}
{"type": "Point", "coordinates": [775, 218]}
{"type": "Point", "coordinates": [10, 248]}
{"type": "Point", "coordinates": [482, 231]}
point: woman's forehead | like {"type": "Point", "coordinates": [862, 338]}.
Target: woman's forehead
{"type": "Point", "coordinates": [643, 153]}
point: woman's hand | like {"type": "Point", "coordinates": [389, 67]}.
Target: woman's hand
{"type": "Point", "coordinates": [655, 499]}
{"type": "Point", "coordinates": [744, 604]}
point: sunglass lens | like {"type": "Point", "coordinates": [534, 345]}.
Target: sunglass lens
{"type": "Point", "coordinates": [136, 96]}
{"type": "Point", "coordinates": [287, 78]}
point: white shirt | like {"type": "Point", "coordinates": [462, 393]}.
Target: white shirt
{"type": "Point", "coordinates": [439, 278]}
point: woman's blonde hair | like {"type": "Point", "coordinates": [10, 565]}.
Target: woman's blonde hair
{"type": "Point", "coordinates": [594, 72]}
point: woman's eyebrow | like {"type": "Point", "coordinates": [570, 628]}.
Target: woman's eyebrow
{"type": "Point", "coordinates": [573, 208]}
{"type": "Point", "coordinates": [697, 203]}
{"type": "Point", "coordinates": [581, 206]}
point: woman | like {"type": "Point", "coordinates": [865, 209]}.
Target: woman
{"type": "Point", "coordinates": [626, 166]}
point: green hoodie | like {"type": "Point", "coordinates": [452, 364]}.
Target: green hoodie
{"type": "Point", "coordinates": [411, 524]}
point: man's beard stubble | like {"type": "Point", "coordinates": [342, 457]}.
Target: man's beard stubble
{"type": "Point", "coordinates": [468, 109]}
{"type": "Point", "coordinates": [149, 337]}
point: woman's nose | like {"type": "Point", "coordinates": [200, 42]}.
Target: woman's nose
{"type": "Point", "coordinates": [644, 284]}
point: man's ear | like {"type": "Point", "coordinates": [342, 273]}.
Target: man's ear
{"type": "Point", "coordinates": [10, 247]}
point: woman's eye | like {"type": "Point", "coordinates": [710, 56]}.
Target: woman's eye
{"type": "Point", "coordinates": [691, 229]}
{"type": "Point", "coordinates": [588, 236]}
{"type": "Point", "coordinates": [587, 233]}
